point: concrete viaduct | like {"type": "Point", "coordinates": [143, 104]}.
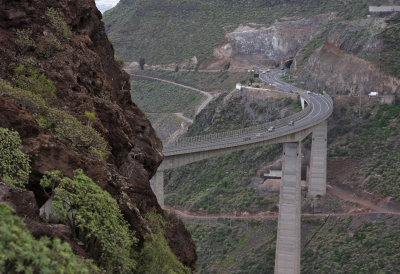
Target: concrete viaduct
{"type": "Point", "coordinates": [312, 119]}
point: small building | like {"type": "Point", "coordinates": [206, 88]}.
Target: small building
{"type": "Point", "coordinates": [239, 87]}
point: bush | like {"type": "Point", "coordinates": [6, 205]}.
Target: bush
{"type": "Point", "coordinates": [20, 252]}
{"type": "Point", "coordinates": [58, 23]}
{"type": "Point", "coordinates": [156, 256]}
{"type": "Point", "coordinates": [14, 164]}
{"type": "Point", "coordinates": [48, 45]}
{"type": "Point", "coordinates": [65, 126]}
{"type": "Point", "coordinates": [24, 40]}
{"type": "Point", "coordinates": [120, 61]}
{"type": "Point", "coordinates": [95, 218]}
{"type": "Point", "coordinates": [30, 79]}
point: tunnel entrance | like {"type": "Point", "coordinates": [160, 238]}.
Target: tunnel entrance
{"type": "Point", "coordinates": [288, 64]}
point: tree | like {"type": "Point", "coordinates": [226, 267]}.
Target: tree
{"type": "Point", "coordinates": [176, 68]}
{"type": "Point", "coordinates": [91, 117]}
{"type": "Point", "coordinates": [142, 62]}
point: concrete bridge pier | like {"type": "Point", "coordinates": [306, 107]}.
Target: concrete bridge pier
{"type": "Point", "coordinates": [159, 188]}
{"type": "Point", "coordinates": [318, 160]}
{"type": "Point", "coordinates": [287, 257]}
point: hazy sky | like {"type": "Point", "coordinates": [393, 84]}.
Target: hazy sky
{"type": "Point", "coordinates": [104, 5]}
{"type": "Point", "coordinates": [107, 2]}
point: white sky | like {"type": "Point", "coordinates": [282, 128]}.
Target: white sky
{"type": "Point", "coordinates": [107, 2]}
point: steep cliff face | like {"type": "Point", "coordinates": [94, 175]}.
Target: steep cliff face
{"type": "Point", "coordinates": [332, 69]}
{"type": "Point", "coordinates": [353, 56]}
{"type": "Point", "coordinates": [79, 59]}
{"type": "Point", "coordinates": [275, 44]}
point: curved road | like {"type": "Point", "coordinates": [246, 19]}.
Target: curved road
{"type": "Point", "coordinates": [321, 108]}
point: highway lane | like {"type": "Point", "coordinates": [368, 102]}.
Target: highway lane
{"type": "Point", "coordinates": [321, 108]}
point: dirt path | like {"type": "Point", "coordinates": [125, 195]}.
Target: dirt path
{"type": "Point", "coordinates": [351, 197]}
{"type": "Point", "coordinates": [186, 214]}
{"type": "Point", "coordinates": [180, 115]}
{"type": "Point", "coordinates": [342, 194]}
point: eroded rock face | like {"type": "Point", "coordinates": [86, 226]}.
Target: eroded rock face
{"type": "Point", "coordinates": [275, 44]}
{"type": "Point", "coordinates": [331, 69]}
{"type": "Point", "coordinates": [87, 79]}
{"type": "Point", "coordinates": [341, 63]}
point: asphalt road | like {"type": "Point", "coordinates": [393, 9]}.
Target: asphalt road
{"type": "Point", "coordinates": [321, 108]}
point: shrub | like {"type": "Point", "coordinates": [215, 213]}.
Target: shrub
{"type": "Point", "coordinates": [20, 252]}
{"type": "Point", "coordinates": [95, 218]}
{"type": "Point", "coordinates": [24, 40]}
{"type": "Point", "coordinates": [68, 128]}
{"type": "Point", "coordinates": [48, 45]}
{"type": "Point", "coordinates": [30, 79]}
{"type": "Point", "coordinates": [65, 126]}
{"type": "Point", "coordinates": [156, 256]}
{"type": "Point", "coordinates": [58, 23]}
{"type": "Point", "coordinates": [14, 164]}
{"type": "Point", "coordinates": [91, 116]}
{"type": "Point", "coordinates": [120, 61]}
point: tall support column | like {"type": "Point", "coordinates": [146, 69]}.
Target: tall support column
{"type": "Point", "coordinates": [318, 160]}
{"type": "Point", "coordinates": [159, 188]}
{"type": "Point", "coordinates": [287, 257]}
{"type": "Point", "coordinates": [302, 102]}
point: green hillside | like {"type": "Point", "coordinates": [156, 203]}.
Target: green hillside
{"type": "Point", "coordinates": [175, 30]}
{"type": "Point", "coordinates": [159, 97]}
{"type": "Point", "coordinates": [355, 244]}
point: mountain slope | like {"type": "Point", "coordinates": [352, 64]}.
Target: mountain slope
{"type": "Point", "coordinates": [175, 31]}
{"type": "Point", "coordinates": [69, 101]}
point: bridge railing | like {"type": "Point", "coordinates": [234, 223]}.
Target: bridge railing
{"type": "Point", "coordinates": [239, 133]}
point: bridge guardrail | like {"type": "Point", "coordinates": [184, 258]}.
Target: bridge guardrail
{"type": "Point", "coordinates": [239, 133]}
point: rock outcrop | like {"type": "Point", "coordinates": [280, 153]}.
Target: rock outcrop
{"type": "Point", "coordinates": [348, 59]}
{"type": "Point", "coordinates": [87, 78]}
{"type": "Point", "coordinates": [260, 46]}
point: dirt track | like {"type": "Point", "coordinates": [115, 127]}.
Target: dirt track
{"type": "Point", "coordinates": [371, 208]}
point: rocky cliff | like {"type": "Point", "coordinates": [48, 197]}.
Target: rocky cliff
{"type": "Point", "coordinates": [262, 46]}
{"type": "Point", "coordinates": [357, 56]}
{"type": "Point", "coordinates": [65, 41]}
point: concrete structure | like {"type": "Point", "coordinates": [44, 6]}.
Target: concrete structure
{"type": "Point", "coordinates": [302, 102]}
{"type": "Point", "coordinates": [318, 160]}
{"type": "Point", "coordinates": [312, 119]}
{"type": "Point", "coordinates": [159, 188]}
{"type": "Point", "coordinates": [274, 174]}
{"type": "Point", "coordinates": [287, 257]}
{"type": "Point", "coordinates": [375, 9]}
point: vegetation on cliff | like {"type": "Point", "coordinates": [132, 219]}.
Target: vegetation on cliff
{"type": "Point", "coordinates": [94, 218]}
{"type": "Point", "coordinates": [64, 93]}
{"type": "Point", "coordinates": [20, 252]}
{"type": "Point", "coordinates": [376, 136]}
{"type": "Point", "coordinates": [14, 164]}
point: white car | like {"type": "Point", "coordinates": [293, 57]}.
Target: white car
{"type": "Point", "coordinates": [271, 128]}
{"type": "Point", "coordinates": [308, 92]}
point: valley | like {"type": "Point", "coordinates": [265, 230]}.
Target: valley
{"type": "Point", "coordinates": [200, 136]}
